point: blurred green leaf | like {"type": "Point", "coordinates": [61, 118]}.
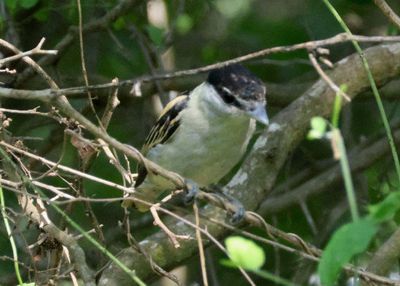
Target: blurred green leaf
{"type": "Point", "coordinates": [386, 209]}
{"type": "Point", "coordinates": [392, 30]}
{"type": "Point", "coordinates": [156, 34]}
{"type": "Point", "coordinates": [11, 4]}
{"type": "Point", "coordinates": [119, 24]}
{"type": "Point", "coordinates": [245, 253]}
{"type": "Point", "coordinates": [208, 53]}
{"type": "Point", "coordinates": [42, 15]}
{"type": "Point", "coordinates": [348, 240]}
{"type": "Point", "coordinates": [184, 24]}
{"type": "Point", "coordinates": [233, 8]}
{"type": "Point", "coordinates": [27, 3]}
{"type": "Point", "coordinates": [318, 128]}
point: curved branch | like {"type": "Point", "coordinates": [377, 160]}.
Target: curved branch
{"type": "Point", "coordinates": [258, 173]}
{"type": "Point", "coordinates": [359, 160]}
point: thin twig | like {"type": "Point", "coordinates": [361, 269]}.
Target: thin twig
{"type": "Point", "coordinates": [49, 94]}
{"type": "Point", "coordinates": [67, 169]}
{"type": "Point", "coordinates": [157, 221]}
{"type": "Point", "coordinates": [200, 245]}
{"type": "Point", "coordinates": [35, 51]}
{"type": "Point", "coordinates": [389, 13]}
{"type": "Point", "coordinates": [310, 45]}
{"type": "Point", "coordinates": [83, 61]}
{"type": "Point", "coordinates": [123, 7]}
{"type": "Point", "coordinates": [351, 269]}
{"type": "Point", "coordinates": [326, 78]}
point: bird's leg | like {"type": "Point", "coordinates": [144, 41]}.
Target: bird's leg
{"type": "Point", "coordinates": [231, 204]}
{"type": "Point", "coordinates": [237, 215]}
{"type": "Point", "coordinates": [192, 190]}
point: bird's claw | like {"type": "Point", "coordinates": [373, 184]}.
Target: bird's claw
{"type": "Point", "coordinates": [192, 189]}
{"type": "Point", "coordinates": [238, 214]}
{"type": "Point", "coordinates": [235, 208]}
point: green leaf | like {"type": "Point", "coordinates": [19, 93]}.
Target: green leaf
{"type": "Point", "coordinates": [27, 3]}
{"type": "Point", "coordinates": [245, 253]}
{"type": "Point", "coordinates": [184, 24]}
{"type": "Point", "coordinates": [386, 209]}
{"type": "Point", "coordinates": [318, 128]}
{"type": "Point", "coordinates": [42, 15]}
{"type": "Point", "coordinates": [233, 8]}
{"type": "Point", "coordinates": [119, 24]}
{"type": "Point", "coordinates": [11, 4]}
{"type": "Point", "coordinates": [156, 34]}
{"type": "Point", "coordinates": [349, 240]}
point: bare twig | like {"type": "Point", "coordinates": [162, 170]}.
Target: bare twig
{"type": "Point", "coordinates": [101, 23]}
{"type": "Point", "coordinates": [83, 62]}
{"type": "Point", "coordinates": [389, 13]}
{"type": "Point", "coordinates": [270, 152]}
{"type": "Point", "coordinates": [37, 212]}
{"type": "Point", "coordinates": [49, 94]}
{"type": "Point", "coordinates": [326, 78]}
{"type": "Point", "coordinates": [157, 221]}
{"type": "Point", "coordinates": [200, 246]}
{"type": "Point", "coordinates": [50, 188]}
{"type": "Point", "coordinates": [35, 51]}
{"type": "Point", "coordinates": [310, 45]}
{"type": "Point", "coordinates": [37, 68]}
{"type": "Point", "coordinates": [112, 103]}
{"type": "Point", "coordinates": [352, 270]}
{"type": "Point", "coordinates": [360, 158]}
{"type": "Point", "coordinates": [66, 169]}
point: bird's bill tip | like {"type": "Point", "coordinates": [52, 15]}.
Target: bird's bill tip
{"type": "Point", "coordinates": [260, 114]}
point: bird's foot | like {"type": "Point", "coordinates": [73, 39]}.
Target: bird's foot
{"type": "Point", "coordinates": [234, 207]}
{"type": "Point", "coordinates": [192, 189]}
{"type": "Point", "coordinates": [238, 214]}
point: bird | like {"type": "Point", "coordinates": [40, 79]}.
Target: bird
{"type": "Point", "coordinates": [204, 134]}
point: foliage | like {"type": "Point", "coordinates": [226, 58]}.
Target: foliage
{"type": "Point", "coordinates": [245, 253]}
{"type": "Point", "coordinates": [343, 217]}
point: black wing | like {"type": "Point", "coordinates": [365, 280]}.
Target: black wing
{"type": "Point", "coordinates": [165, 127]}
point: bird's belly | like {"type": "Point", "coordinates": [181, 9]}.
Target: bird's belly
{"type": "Point", "coordinates": [212, 153]}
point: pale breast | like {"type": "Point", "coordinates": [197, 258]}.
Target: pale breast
{"type": "Point", "coordinates": [205, 150]}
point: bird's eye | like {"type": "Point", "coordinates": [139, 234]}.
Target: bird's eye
{"type": "Point", "coordinates": [228, 98]}
{"type": "Point", "coordinates": [227, 95]}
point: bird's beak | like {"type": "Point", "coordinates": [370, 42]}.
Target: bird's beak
{"type": "Point", "coordinates": [260, 114]}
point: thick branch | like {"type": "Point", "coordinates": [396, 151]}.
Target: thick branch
{"type": "Point", "coordinates": [258, 173]}
{"type": "Point", "coordinates": [386, 256]}
{"type": "Point", "coordinates": [359, 160]}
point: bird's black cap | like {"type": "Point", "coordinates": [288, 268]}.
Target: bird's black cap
{"type": "Point", "coordinates": [239, 81]}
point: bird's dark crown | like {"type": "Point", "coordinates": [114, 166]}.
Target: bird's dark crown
{"type": "Point", "coordinates": [236, 81]}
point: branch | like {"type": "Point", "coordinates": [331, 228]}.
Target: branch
{"type": "Point", "coordinates": [48, 94]}
{"type": "Point", "coordinates": [360, 160]}
{"type": "Point", "coordinates": [122, 8]}
{"type": "Point", "coordinates": [258, 173]}
{"type": "Point", "coordinates": [36, 212]}
{"type": "Point", "coordinates": [387, 255]}
{"type": "Point", "coordinates": [35, 51]}
{"type": "Point", "coordinates": [389, 13]}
